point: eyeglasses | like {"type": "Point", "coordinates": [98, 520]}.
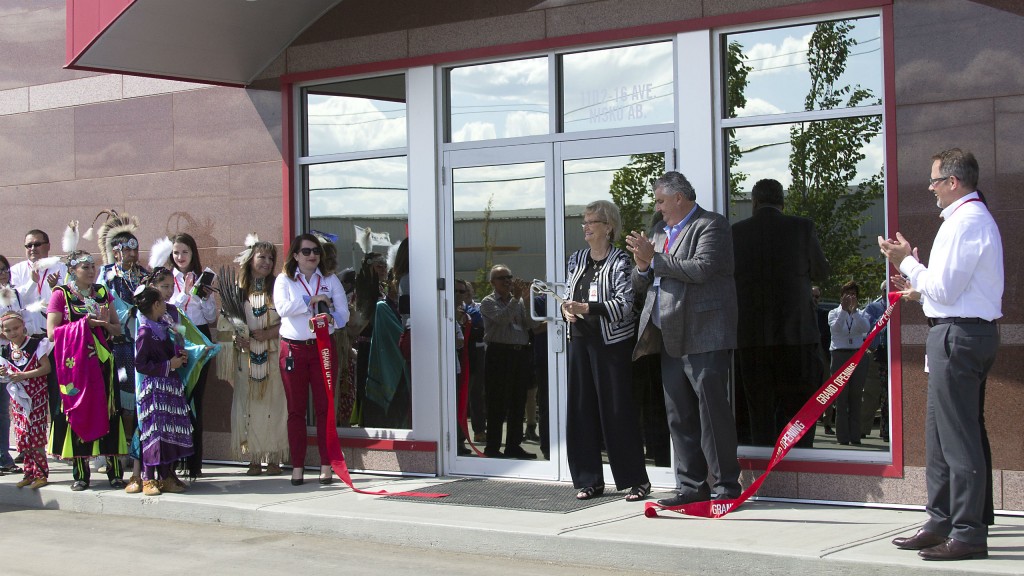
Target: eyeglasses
{"type": "Point", "coordinates": [508, 277]}
{"type": "Point", "coordinates": [31, 245]}
{"type": "Point", "coordinates": [934, 181]}
{"type": "Point", "coordinates": [592, 222]}
{"type": "Point", "coordinates": [308, 251]}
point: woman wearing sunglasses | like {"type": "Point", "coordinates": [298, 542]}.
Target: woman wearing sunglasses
{"type": "Point", "coordinates": [298, 291]}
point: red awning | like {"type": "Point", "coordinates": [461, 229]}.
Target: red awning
{"type": "Point", "coordinates": [211, 41]}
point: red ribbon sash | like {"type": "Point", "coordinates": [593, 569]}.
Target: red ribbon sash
{"type": "Point", "coordinates": [320, 327]}
{"type": "Point", "coordinates": [803, 421]}
{"type": "Point", "coordinates": [462, 414]}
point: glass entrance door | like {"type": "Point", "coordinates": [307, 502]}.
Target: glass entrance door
{"type": "Point", "coordinates": [520, 207]}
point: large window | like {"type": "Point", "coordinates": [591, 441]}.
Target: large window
{"type": "Point", "coordinates": [356, 189]}
{"type": "Point", "coordinates": [803, 105]}
{"type": "Point", "coordinates": [611, 88]}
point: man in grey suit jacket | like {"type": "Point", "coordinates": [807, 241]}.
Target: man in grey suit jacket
{"type": "Point", "coordinates": [685, 267]}
{"type": "Point", "coordinates": [777, 361]}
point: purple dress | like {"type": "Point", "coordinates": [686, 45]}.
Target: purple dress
{"type": "Point", "coordinates": [164, 428]}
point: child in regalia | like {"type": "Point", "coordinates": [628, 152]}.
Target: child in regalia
{"type": "Point", "coordinates": [23, 368]}
{"type": "Point", "coordinates": [164, 427]}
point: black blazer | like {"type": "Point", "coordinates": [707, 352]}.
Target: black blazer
{"type": "Point", "coordinates": [777, 257]}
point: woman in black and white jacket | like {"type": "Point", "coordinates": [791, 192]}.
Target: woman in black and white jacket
{"type": "Point", "coordinates": [599, 307]}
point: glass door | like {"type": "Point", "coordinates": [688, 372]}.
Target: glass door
{"type": "Point", "coordinates": [500, 233]}
{"type": "Point", "coordinates": [520, 207]}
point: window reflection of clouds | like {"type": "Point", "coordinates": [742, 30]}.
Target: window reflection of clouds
{"type": "Point", "coordinates": [629, 86]}
{"type": "Point", "coordinates": [779, 78]}
{"type": "Point", "coordinates": [338, 124]}
{"type": "Point", "coordinates": [588, 180]}
{"type": "Point", "coordinates": [766, 152]}
{"type": "Point", "coordinates": [360, 187]}
{"type": "Point", "coordinates": [499, 100]}
{"type": "Point", "coordinates": [511, 186]}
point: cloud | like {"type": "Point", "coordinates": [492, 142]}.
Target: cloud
{"type": "Point", "coordinates": [346, 124]}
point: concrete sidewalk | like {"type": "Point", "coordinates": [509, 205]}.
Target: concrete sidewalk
{"type": "Point", "coordinates": [760, 537]}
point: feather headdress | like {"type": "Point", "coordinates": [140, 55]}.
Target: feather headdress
{"type": "Point", "coordinates": [44, 263]}
{"type": "Point", "coordinates": [365, 240]}
{"type": "Point", "coordinates": [70, 241]}
{"type": "Point", "coordinates": [116, 223]}
{"type": "Point", "coordinates": [160, 253]}
{"type": "Point", "coordinates": [250, 241]}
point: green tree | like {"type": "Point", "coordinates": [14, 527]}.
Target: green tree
{"type": "Point", "coordinates": [482, 284]}
{"type": "Point", "coordinates": [631, 191]}
{"type": "Point", "coordinates": [735, 98]}
{"type": "Point", "coordinates": [823, 162]}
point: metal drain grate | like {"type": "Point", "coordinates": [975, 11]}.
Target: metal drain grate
{"type": "Point", "coordinates": [528, 496]}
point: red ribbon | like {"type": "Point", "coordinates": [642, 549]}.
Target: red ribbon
{"type": "Point", "coordinates": [804, 420]}
{"type": "Point", "coordinates": [319, 324]}
{"type": "Point", "coordinates": [463, 411]}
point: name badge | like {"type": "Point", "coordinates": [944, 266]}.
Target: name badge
{"type": "Point", "coordinates": [592, 294]}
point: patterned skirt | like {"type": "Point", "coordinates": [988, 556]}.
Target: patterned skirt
{"type": "Point", "coordinates": [165, 430]}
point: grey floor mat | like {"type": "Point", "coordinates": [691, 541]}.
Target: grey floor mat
{"type": "Point", "coordinates": [528, 496]}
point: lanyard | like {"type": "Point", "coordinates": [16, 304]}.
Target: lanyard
{"type": "Point", "coordinates": [306, 288]}
{"type": "Point", "coordinates": [42, 279]}
{"type": "Point", "coordinates": [962, 205]}
{"type": "Point", "coordinates": [178, 288]}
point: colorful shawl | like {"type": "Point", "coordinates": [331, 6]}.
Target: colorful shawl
{"type": "Point", "coordinates": [83, 387]}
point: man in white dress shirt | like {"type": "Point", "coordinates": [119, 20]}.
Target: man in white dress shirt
{"type": "Point", "coordinates": [37, 247]}
{"type": "Point", "coordinates": [961, 292]}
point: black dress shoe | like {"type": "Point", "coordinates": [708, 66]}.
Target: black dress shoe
{"type": "Point", "coordinates": [494, 454]}
{"type": "Point", "coordinates": [923, 539]}
{"type": "Point", "coordinates": [953, 549]}
{"type": "Point", "coordinates": [298, 481]}
{"type": "Point", "coordinates": [726, 496]}
{"type": "Point", "coordinates": [519, 454]}
{"type": "Point", "coordinates": [680, 499]}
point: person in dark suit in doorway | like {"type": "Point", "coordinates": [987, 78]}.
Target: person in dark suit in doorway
{"type": "Point", "coordinates": [777, 257]}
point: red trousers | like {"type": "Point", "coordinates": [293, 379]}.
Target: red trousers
{"type": "Point", "coordinates": [305, 374]}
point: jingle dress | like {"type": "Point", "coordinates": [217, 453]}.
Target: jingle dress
{"type": "Point", "coordinates": [165, 431]}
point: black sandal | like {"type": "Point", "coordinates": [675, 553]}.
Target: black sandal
{"type": "Point", "coordinates": [638, 493]}
{"type": "Point", "coordinates": [589, 492]}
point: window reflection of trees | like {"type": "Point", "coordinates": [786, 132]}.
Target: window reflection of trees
{"type": "Point", "coordinates": [835, 165]}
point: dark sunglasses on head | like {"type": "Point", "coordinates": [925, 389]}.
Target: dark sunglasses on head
{"type": "Point", "coordinates": [30, 245]}
{"type": "Point", "coordinates": [308, 251]}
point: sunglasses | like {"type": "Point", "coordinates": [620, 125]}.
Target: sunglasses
{"type": "Point", "coordinates": [509, 277]}
{"type": "Point", "coordinates": [308, 251]}
{"type": "Point", "coordinates": [32, 245]}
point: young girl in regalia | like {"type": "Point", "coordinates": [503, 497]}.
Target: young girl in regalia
{"type": "Point", "coordinates": [165, 431]}
{"type": "Point", "coordinates": [24, 365]}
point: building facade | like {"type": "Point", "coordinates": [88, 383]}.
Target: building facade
{"type": "Point", "coordinates": [479, 130]}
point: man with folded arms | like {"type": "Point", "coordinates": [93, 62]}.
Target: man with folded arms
{"type": "Point", "coordinates": [961, 291]}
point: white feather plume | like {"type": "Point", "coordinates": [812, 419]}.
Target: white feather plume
{"type": "Point", "coordinates": [365, 241]}
{"type": "Point", "coordinates": [122, 375]}
{"type": "Point", "coordinates": [89, 234]}
{"type": "Point", "coordinates": [392, 254]}
{"type": "Point", "coordinates": [7, 296]}
{"type": "Point", "coordinates": [160, 252]}
{"type": "Point", "coordinates": [70, 241]}
{"type": "Point", "coordinates": [251, 239]}
{"type": "Point", "coordinates": [37, 306]}
{"type": "Point", "coordinates": [44, 263]}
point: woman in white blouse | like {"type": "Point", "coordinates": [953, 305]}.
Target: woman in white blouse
{"type": "Point", "coordinates": [196, 302]}
{"type": "Point", "coordinates": [298, 291]}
